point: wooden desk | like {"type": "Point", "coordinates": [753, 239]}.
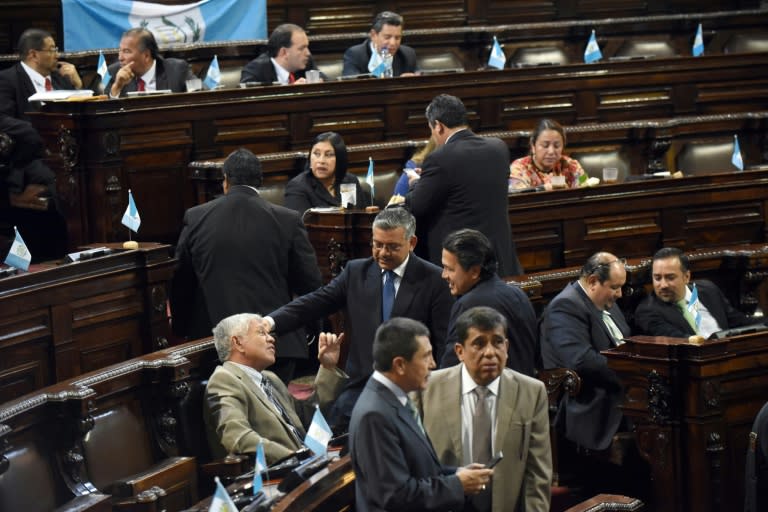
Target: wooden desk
{"type": "Point", "coordinates": [101, 149]}
{"type": "Point", "coordinates": [692, 407]}
{"type": "Point", "coordinates": [63, 320]}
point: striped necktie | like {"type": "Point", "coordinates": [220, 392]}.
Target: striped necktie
{"type": "Point", "coordinates": [269, 390]}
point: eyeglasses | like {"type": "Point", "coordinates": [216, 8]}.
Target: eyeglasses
{"type": "Point", "coordinates": [378, 246]}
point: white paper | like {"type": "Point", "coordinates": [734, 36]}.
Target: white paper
{"type": "Point", "coordinates": [60, 95]}
{"type": "Point", "coordinates": [348, 194]}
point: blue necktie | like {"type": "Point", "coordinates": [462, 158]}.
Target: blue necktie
{"type": "Point", "coordinates": [387, 295]}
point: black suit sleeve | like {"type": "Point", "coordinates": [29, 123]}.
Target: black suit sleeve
{"type": "Point", "coordinates": [297, 197]}
{"type": "Point", "coordinates": [352, 63]}
{"type": "Point", "coordinates": [650, 320]}
{"type": "Point", "coordinates": [304, 276]}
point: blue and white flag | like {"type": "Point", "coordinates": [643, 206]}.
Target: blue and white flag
{"type": "Point", "coordinates": [376, 65]}
{"type": "Point", "coordinates": [221, 501]}
{"type": "Point", "coordinates": [213, 76]}
{"type": "Point", "coordinates": [103, 70]}
{"type": "Point", "coordinates": [131, 218]}
{"type": "Point", "coordinates": [698, 43]}
{"type": "Point", "coordinates": [19, 256]}
{"type": "Point", "coordinates": [318, 434]}
{"type": "Point", "coordinates": [260, 464]}
{"type": "Point", "coordinates": [91, 24]}
{"type": "Point", "coordinates": [497, 59]}
{"type": "Point", "coordinates": [369, 177]}
{"type": "Point", "coordinates": [736, 158]}
{"type": "Point", "coordinates": [693, 307]}
{"type": "Point", "coordinates": [592, 52]}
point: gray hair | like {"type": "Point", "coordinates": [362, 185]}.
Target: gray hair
{"type": "Point", "coordinates": [234, 325]}
{"type": "Point", "coordinates": [396, 217]}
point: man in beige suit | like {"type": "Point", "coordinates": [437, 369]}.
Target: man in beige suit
{"type": "Point", "coordinates": [480, 392]}
{"type": "Point", "coordinates": [245, 405]}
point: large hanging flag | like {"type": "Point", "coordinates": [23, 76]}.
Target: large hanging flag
{"type": "Point", "coordinates": [318, 434]}
{"type": "Point", "coordinates": [103, 70]}
{"type": "Point", "coordinates": [221, 501]}
{"type": "Point", "coordinates": [213, 76]}
{"type": "Point", "coordinates": [592, 52]}
{"type": "Point", "coordinates": [736, 158]}
{"type": "Point", "coordinates": [259, 465]}
{"type": "Point", "coordinates": [496, 59]}
{"type": "Point", "coordinates": [19, 256]}
{"type": "Point", "coordinates": [131, 218]}
{"type": "Point", "coordinates": [369, 177]}
{"type": "Point", "coordinates": [698, 43]}
{"type": "Point", "coordinates": [194, 22]}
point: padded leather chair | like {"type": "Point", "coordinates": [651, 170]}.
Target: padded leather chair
{"type": "Point", "coordinates": [435, 62]}
{"type": "Point", "coordinates": [538, 56]}
{"type": "Point", "coordinates": [702, 158]}
{"type": "Point", "coordinates": [756, 471]}
{"type": "Point", "coordinates": [747, 42]}
{"type": "Point", "coordinates": [384, 182]}
{"type": "Point", "coordinates": [230, 77]}
{"type": "Point", "coordinates": [594, 162]}
{"type": "Point", "coordinates": [274, 193]}
{"type": "Point", "coordinates": [644, 48]}
{"type": "Point", "coordinates": [330, 65]}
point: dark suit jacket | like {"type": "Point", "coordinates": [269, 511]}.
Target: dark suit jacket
{"type": "Point", "coordinates": [241, 254]}
{"type": "Point", "coordinates": [572, 335]}
{"type": "Point", "coordinates": [464, 185]}
{"type": "Point", "coordinates": [356, 59]}
{"type": "Point", "coordinates": [15, 89]}
{"type": "Point", "coordinates": [756, 477]}
{"type": "Point", "coordinates": [395, 466]}
{"type": "Point", "coordinates": [658, 318]}
{"type": "Point", "coordinates": [170, 74]}
{"type": "Point", "coordinates": [262, 70]}
{"type": "Point", "coordinates": [305, 191]}
{"type": "Point", "coordinates": [510, 301]}
{"type": "Point", "coordinates": [422, 295]}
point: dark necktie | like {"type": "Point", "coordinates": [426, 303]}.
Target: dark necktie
{"type": "Point", "coordinates": [387, 295]}
{"type": "Point", "coordinates": [48, 84]}
{"type": "Point", "coordinates": [140, 85]}
{"type": "Point", "coordinates": [481, 427]}
{"type": "Point", "coordinates": [415, 412]}
{"type": "Point", "coordinates": [270, 392]}
{"type": "Point", "coordinates": [291, 78]}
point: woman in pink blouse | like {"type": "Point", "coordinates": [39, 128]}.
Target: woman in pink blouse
{"type": "Point", "coordinates": [546, 160]}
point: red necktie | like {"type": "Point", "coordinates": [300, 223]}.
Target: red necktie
{"type": "Point", "coordinates": [48, 85]}
{"type": "Point", "coordinates": [140, 84]}
{"type": "Point", "coordinates": [291, 78]}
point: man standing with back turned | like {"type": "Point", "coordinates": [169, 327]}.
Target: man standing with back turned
{"type": "Point", "coordinates": [463, 184]}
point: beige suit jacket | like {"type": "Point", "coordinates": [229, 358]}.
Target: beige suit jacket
{"type": "Point", "coordinates": [238, 415]}
{"type": "Point", "coordinates": [524, 476]}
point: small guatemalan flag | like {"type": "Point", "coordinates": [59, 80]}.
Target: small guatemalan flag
{"type": "Point", "coordinates": [19, 256]}
{"type": "Point", "coordinates": [592, 52]}
{"type": "Point", "coordinates": [131, 218]}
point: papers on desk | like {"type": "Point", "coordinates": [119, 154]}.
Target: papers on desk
{"type": "Point", "coordinates": [326, 209]}
{"type": "Point", "coordinates": [60, 95]}
{"type": "Point", "coordinates": [148, 93]}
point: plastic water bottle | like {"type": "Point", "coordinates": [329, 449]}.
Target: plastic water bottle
{"type": "Point", "coordinates": [386, 57]}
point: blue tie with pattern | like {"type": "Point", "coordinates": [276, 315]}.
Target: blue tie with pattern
{"type": "Point", "coordinates": [387, 295]}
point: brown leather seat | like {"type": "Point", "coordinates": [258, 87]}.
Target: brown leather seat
{"type": "Point", "coordinates": [230, 77]}
{"type": "Point", "coordinates": [747, 42]}
{"type": "Point", "coordinates": [443, 61]}
{"type": "Point", "coordinates": [594, 162]}
{"type": "Point", "coordinates": [274, 193]}
{"type": "Point", "coordinates": [330, 65]}
{"type": "Point", "coordinates": [645, 48]}
{"type": "Point", "coordinates": [538, 56]}
{"type": "Point", "coordinates": [384, 182]}
{"type": "Point", "coordinates": [710, 157]}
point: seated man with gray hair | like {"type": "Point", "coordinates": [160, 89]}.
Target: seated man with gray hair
{"type": "Point", "coordinates": [246, 405]}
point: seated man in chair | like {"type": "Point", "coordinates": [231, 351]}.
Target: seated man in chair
{"type": "Point", "coordinates": [245, 405]}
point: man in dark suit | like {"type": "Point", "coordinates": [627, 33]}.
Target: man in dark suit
{"type": "Point", "coordinates": [669, 312]}
{"type": "Point", "coordinates": [30, 182]}
{"type": "Point", "coordinates": [469, 267]}
{"type": "Point", "coordinates": [417, 291]}
{"type": "Point", "coordinates": [141, 68]}
{"type": "Point", "coordinates": [578, 323]}
{"type": "Point", "coordinates": [386, 32]}
{"type": "Point", "coordinates": [396, 467]}
{"type": "Point", "coordinates": [246, 405]}
{"type": "Point", "coordinates": [241, 253]}
{"type": "Point", "coordinates": [286, 60]}
{"type": "Point", "coordinates": [463, 184]}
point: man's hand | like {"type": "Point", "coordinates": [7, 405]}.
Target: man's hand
{"type": "Point", "coordinates": [70, 71]}
{"type": "Point", "coordinates": [328, 349]}
{"type": "Point", "coordinates": [474, 478]}
{"type": "Point", "coordinates": [123, 76]}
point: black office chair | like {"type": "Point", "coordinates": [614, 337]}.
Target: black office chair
{"type": "Point", "coordinates": [756, 471]}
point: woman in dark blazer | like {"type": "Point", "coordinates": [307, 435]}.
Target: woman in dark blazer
{"type": "Point", "coordinates": [325, 177]}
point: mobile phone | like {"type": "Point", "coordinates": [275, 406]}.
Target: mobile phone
{"type": "Point", "coordinates": [495, 460]}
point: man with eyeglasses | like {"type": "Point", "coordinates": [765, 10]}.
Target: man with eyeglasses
{"type": "Point", "coordinates": [392, 282]}
{"type": "Point", "coordinates": [30, 183]}
{"type": "Point", "coordinates": [578, 323]}
{"type": "Point", "coordinates": [245, 405]}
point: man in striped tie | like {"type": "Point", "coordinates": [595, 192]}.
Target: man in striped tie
{"type": "Point", "coordinates": [679, 308]}
{"type": "Point", "coordinates": [246, 405]}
